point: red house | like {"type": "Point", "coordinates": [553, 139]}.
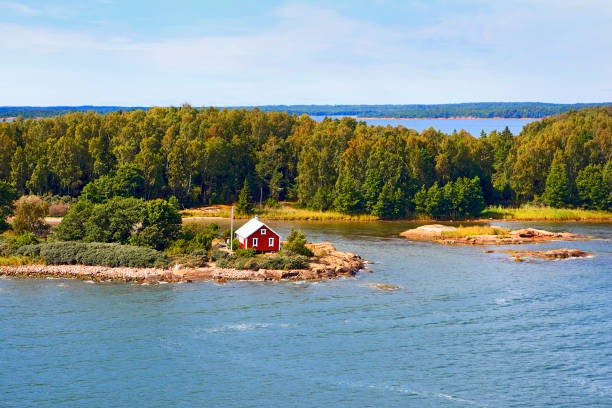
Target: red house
{"type": "Point", "coordinates": [256, 234]}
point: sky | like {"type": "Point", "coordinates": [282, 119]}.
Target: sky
{"type": "Point", "coordinates": [230, 52]}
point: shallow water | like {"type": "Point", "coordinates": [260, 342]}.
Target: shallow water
{"type": "Point", "coordinates": [472, 126]}
{"type": "Point", "coordinates": [465, 329]}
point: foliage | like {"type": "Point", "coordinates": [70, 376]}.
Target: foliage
{"type": "Point", "coordinates": [26, 238]}
{"type": "Point", "coordinates": [161, 225]}
{"type": "Point", "coordinates": [245, 202]}
{"type": "Point", "coordinates": [558, 188]}
{"type": "Point", "coordinates": [7, 195]}
{"type": "Point", "coordinates": [30, 213]}
{"type": "Point", "coordinates": [456, 200]}
{"type": "Point", "coordinates": [72, 227]}
{"type": "Point", "coordinates": [203, 157]}
{"type": "Point", "coordinates": [245, 252]}
{"type": "Point", "coordinates": [296, 243]}
{"type": "Point", "coordinates": [95, 253]}
{"type": "Point", "coordinates": [593, 191]}
{"type": "Point", "coordinates": [277, 261]}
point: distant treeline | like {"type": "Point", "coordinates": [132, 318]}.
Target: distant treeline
{"type": "Point", "coordinates": [208, 156]}
{"type": "Point", "coordinates": [477, 110]}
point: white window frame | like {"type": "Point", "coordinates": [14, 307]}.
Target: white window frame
{"type": "Point", "coordinates": [255, 242]}
{"type": "Point", "coordinates": [270, 242]}
{"type": "Point", "coordinates": [263, 231]}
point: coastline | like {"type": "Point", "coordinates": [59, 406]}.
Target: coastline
{"type": "Point", "coordinates": [329, 266]}
{"type": "Point", "coordinates": [441, 118]}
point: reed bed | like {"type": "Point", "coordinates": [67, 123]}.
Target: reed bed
{"type": "Point", "coordinates": [536, 213]}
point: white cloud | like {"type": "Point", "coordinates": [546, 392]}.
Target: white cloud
{"type": "Point", "coordinates": [517, 51]}
{"type": "Point", "coordinates": [18, 8]}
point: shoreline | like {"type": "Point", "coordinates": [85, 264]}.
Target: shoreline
{"type": "Point", "coordinates": [331, 265]}
{"type": "Point", "coordinates": [433, 118]}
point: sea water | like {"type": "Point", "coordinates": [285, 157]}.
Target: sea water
{"type": "Point", "coordinates": [465, 328]}
{"type": "Point", "coordinates": [472, 126]}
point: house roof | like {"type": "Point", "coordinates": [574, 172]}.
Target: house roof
{"type": "Point", "coordinates": [251, 226]}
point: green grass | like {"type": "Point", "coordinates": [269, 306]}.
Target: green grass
{"type": "Point", "coordinates": [536, 213]}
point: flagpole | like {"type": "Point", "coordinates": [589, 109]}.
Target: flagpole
{"type": "Point", "coordinates": [232, 231]}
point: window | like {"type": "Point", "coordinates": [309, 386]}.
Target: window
{"type": "Point", "coordinates": [254, 242]}
{"type": "Point", "coordinates": [270, 242]}
{"type": "Point", "coordinates": [263, 231]}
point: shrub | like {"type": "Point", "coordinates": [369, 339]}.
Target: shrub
{"type": "Point", "coordinates": [245, 252]}
{"type": "Point", "coordinates": [30, 213]}
{"type": "Point", "coordinates": [17, 241]}
{"type": "Point", "coordinates": [296, 243]}
{"type": "Point", "coordinates": [96, 253]}
{"type": "Point", "coordinates": [217, 255]}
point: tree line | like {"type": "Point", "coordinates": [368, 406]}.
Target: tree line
{"type": "Point", "coordinates": [475, 109]}
{"type": "Point", "coordinates": [209, 156]}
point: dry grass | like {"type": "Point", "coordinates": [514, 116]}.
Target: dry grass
{"type": "Point", "coordinates": [536, 213]}
{"type": "Point", "coordinates": [15, 260]}
{"type": "Point", "coordinates": [463, 232]}
{"type": "Point", "coordinates": [284, 212]}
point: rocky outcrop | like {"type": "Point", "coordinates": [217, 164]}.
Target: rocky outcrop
{"type": "Point", "coordinates": [329, 264]}
{"type": "Point", "coordinates": [436, 232]}
{"type": "Point", "coordinates": [563, 253]}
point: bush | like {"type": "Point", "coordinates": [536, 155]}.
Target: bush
{"type": "Point", "coordinates": [296, 243]}
{"type": "Point", "coordinates": [30, 213]}
{"type": "Point", "coordinates": [96, 253]}
{"type": "Point", "coordinates": [217, 255]}
{"type": "Point", "coordinates": [17, 241]}
{"type": "Point", "coordinates": [279, 261]}
{"type": "Point", "coordinates": [245, 252]}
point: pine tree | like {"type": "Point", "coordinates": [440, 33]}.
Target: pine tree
{"type": "Point", "coordinates": [245, 202]}
{"type": "Point", "coordinates": [558, 187]}
{"type": "Point", "coordinates": [591, 187]}
{"type": "Point", "coordinates": [348, 200]}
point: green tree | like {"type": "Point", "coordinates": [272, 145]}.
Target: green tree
{"type": "Point", "coordinates": [7, 197]}
{"type": "Point", "coordinates": [296, 243]}
{"type": "Point", "coordinates": [72, 227]}
{"type": "Point", "coordinates": [390, 203]}
{"type": "Point", "coordinates": [558, 187]}
{"type": "Point", "coordinates": [161, 225]}
{"type": "Point", "coordinates": [347, 200]}
{"type": "Point", "coordinates": [245, 202]}
{"type": "Point", "coordinates": [592, 190]}
{"type": "Point", "coordinates": [128, 182]}
{"type": "Point", "coordinates": [115, 220]}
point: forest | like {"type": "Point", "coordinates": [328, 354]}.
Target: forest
{"type": "Point", "coordinates": [198, 157]}
{"type": "Point", "coordinates": [476, 110]}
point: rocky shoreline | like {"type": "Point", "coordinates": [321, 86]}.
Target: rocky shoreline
{"type": "Point", "coordinates": [330, 264]}
{"type": "Point", "coordinates": [437, 232]}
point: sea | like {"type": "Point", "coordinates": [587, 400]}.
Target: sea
{"type": "Point", "coordinates": [472, 126]}
{"type": "Point", "coordinates": [464, 328]}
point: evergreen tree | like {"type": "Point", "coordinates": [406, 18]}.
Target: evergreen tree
{"type": "Point", "coordinates": [245, 202]}
{"type": "Point", "coordinates": [592, 190]}
{"type": "Point", "coordinates": [558, 187]}
{"type": "Point", "coordinates": [348, 200]}
{"type": "Point", "coordinates": [390, 203]}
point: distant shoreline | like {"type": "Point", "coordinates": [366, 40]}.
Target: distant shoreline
{"type": "Point", "coordinates": [432, 118]}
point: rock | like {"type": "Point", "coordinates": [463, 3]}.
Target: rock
{"type": "Point", "coordinates": [432, 231]}
{"type": "Point", "coordinates": [383, 286]}
{"type": "Point", "coordinates": [563, 253]}
{"type": "Point", "coordinates": [331, 265]}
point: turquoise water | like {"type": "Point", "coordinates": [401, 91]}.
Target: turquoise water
{"type": "Point", "coordinates": [466, 329]}
{"type": "Point", "coordinates": [472, 126]}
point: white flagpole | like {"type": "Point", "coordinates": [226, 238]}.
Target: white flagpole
{"type": "Point", "coordinates": [232, 231]}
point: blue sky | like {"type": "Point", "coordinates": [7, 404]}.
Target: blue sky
{"type": "Point", "coordinates": [110, 52]}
